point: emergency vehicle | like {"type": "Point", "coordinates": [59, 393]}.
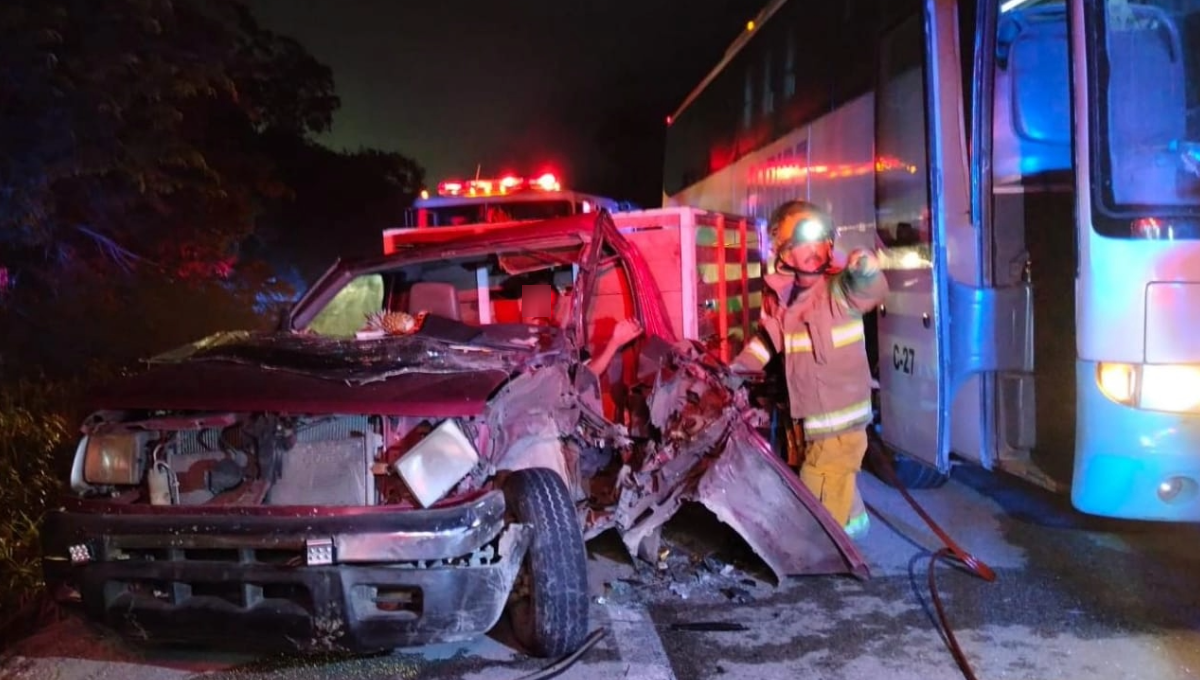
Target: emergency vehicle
{"type": "Point", "coordinates": [509, 198]}
{"type": "Point", "coordinates": [708, 265]}
{"type": "Point", "coordinates": [1029, 171]}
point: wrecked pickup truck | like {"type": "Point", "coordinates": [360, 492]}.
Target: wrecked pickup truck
{"type": "Point", "coordinates": [385, 471]}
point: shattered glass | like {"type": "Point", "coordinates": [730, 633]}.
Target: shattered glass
{"type": "Point", "coordinates": [364, 361]}
{"type": "Point", "coordinates": [345, 313]}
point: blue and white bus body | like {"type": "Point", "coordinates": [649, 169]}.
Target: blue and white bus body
{"type": "Point", "coordinates": [1044, 314]}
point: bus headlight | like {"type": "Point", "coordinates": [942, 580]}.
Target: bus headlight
{"type": "Point", "coordinates": [1118, 382]}
{"type": "Point", "coordinates": [1174, 388]}
{"type": "Point", "coordinates": [1170, 388]}
{"type": "Point", "coordinates": [116, 458]}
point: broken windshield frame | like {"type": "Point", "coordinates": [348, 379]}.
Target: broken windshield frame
{"type": "Point", "coordinates": [337, 277]}
{"type": "Point", "coordinates": [480, 290]}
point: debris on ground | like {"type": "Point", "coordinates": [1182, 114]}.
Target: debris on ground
{"type": "Point", "coordinates": [680, 589]}
{"type": "Point", "coordinates": [738, 595]}
{"type": "Point", "coordinates": [682, 576]}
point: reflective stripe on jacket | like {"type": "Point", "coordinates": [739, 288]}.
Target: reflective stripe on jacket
{"type": "Point", "coordinates": [822, 338]}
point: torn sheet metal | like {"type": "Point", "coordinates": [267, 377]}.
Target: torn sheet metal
{"type": "Point", "coordinates": [751, 490]}
{"type": "Point", "coordinates": [745, 486]}
{"type": "Point", "coordinates": [527, 421]}
{"type": "Point", "coordinates": [707, 452]}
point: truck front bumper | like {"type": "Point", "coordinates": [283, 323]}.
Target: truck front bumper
{"type": "Point", "coordinates": [353, 579]}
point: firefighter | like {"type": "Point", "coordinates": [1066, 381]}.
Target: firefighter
{"type": "Point", "coordinates": [814, 319]}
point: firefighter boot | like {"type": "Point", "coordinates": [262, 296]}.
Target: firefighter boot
{"type": "Point", "coordinates": [860, 522]}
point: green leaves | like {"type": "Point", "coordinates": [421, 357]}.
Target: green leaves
{"type": "Point", "coordinates": [33, 429]}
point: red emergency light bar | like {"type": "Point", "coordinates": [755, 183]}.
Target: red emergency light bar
{"type": "Point", "coordinates": [498, 187]}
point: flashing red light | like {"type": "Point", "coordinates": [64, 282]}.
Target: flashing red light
{"type": "Point", "coordinates": [450, 188]}
{"type": "Point", "coordinates": [669, 120]}
{"type": "Point", "coordinates": [498, 187]}
{"type": "Point", "coordinates": [548, 182]}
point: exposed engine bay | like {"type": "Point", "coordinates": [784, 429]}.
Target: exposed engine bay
{"type": "Point", "coordinates": [247, 459]}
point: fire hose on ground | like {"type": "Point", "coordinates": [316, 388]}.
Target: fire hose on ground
{"type": "Point", "coordinates": [558, 667]}
{"type": "Point", "coordinates": [951, 553]}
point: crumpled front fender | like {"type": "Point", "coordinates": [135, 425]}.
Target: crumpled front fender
{"type": "Point", "coordinates": [709, 453]}
{"type": "Point", "coordinates": [750, 489]}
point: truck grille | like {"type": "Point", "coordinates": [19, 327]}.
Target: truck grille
{"type": "Point", "coordinates": [286, 557]}
{"type": "Point", "coordinates": [284, 596]}
{"type": "Point", "coordinates": [216, 590]}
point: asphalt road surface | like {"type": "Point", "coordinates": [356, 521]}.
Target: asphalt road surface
{"type": "Point", "coordinates": [1074, 598]}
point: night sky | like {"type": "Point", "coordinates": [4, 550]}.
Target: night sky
{"type": "Point", "coordinates": [581, 87]}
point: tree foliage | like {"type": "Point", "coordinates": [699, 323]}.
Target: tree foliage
{"type": "Point", "coordinates": [130, 130]}
{"type": "Point", "coordinates": [337, 203]}
{"type": "Point", "coordinates": [157, 174]}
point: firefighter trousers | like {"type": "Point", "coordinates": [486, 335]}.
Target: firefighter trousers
{"type": "Point", "coordinates": [830, 470]}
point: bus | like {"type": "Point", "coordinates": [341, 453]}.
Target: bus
{"type": "Point", "coordinates": [1029, 171]}
{"type": "Point", "coordinates": [495, 200]}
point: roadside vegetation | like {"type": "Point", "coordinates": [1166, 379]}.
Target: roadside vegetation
{"type": "Point", "coordinates": [49, 365]}
{"type": "Point", "coordinates": [160, 181]}
{"type": "Point", "coordinates": [33, 431]}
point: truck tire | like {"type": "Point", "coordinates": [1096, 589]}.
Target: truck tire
{"type": "Point", "coordinates": [550, 617]}
{"type": "Point", "coordinates": [911, 473]}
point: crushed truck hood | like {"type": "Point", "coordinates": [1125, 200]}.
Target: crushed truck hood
{"type": "Point", "coordinates": [411, 376]}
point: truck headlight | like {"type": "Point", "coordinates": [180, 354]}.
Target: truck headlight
{"type": "Point", "coordinates": [1174, 388]}
{"type": "Point", "coordinates": [432, 467]}
{"type": "Point", "coordinates": [116, 458]}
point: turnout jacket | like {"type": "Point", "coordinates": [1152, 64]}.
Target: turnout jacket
{"type": "Point", "coordinates": [819, 331]}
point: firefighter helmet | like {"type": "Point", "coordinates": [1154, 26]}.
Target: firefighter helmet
{"type": "Point", "coordinates": [797, 222]}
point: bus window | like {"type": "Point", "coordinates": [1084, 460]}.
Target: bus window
{"type": "Point", "coordinates": [539, 210]}
{"type": "Point", "coordinates": [902, 210]}
{"type": "Point", "coordinates": [1144, 118]}
{"type": "Point", "coordinates": [857, 23]}
{"type": "Point", "coordinates": [908, 396]}
{"type": "Point", "coordinates": [1032, 110]}
{"type": "Point", "coordinates": [497, 214]}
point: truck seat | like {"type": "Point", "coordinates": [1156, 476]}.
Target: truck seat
{"type": "Point", "coordinates": [537, 304]}
{"type": "Point", "coordinates": [435, 298]}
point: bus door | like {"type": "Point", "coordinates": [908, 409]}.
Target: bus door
{"type": "Point", "coordinates": [1025, 207]}
{"type": "Point", "coordinates": [910, 405]}
{"type": "Point", "coordinates": [944, 334]}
